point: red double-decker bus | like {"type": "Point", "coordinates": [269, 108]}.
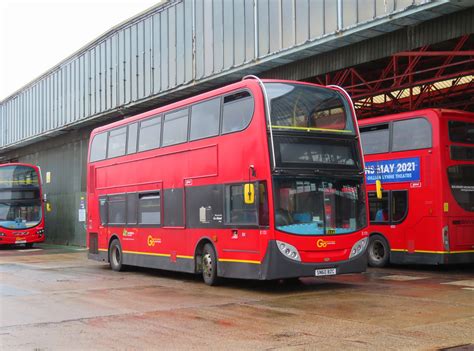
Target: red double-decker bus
{"type": "Point", "coordinates": [21, 205]}
{"type": "Point", "coordinates": [425, 161]}
{"type": "Point", "coordinates": [257, 180]}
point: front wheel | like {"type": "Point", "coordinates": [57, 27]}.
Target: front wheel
{"type": "Point", "coordinates": [378, 251]}
{"type": "Point", "coordinates": [209, 265]}
{"type": "Point", "coordinates": [29, 245]}
{"type": "Point", "coordinates": [115, 255]}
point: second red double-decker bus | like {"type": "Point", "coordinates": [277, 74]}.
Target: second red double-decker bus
{"type": "Point", "coordinates": [425, 161]}
{"type": "Point", "coordinates": [257, 180]}
{"type": "Point", "coordinates": [21, 205]}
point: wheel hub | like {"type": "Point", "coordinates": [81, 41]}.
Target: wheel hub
{"type": "Point", "coordinates": [378, 251]}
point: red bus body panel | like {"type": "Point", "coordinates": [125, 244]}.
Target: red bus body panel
{"type": "Point", "coordinates": [431, 205]}
{"type": "Point", "coordinates": [222, 159]}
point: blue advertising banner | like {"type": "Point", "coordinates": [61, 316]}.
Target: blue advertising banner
{"type": "Point", "coordinates": [393, 171]}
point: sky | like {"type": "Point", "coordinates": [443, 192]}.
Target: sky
{"type": "Point", "coordinates": [35, 35]}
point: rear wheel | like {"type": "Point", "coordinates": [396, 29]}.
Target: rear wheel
{"type": "Point", "coordinates": [115, 255]}
{"type": "Point", "coordinates": [209, 265]}
{"type": "Point", "coordinates": [378, 252]}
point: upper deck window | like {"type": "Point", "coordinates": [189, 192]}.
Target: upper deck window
{"type": "Point", "coordinates": [117, 139]}
{"type": "Point", "coordinates": [308, 108]}
{"type": "Point", "coordinates": [149, 135]}
{"type": "Point", "coordinates": [237, 112]}
{"type": "Point", "coordinates": [175, 129]}
{"type": "Point", "coordinates": [375, 139]}
{"type": "Point", "coordinates": [205, 119]}
{"type": "Point", "coordinates": [18, 176]}
{"type": "Point", "coordinates": [411, 134]}
{"type": "Point", "coordinates": [461, 132]}
{"type": "Point", "coordinates": [99, 147]}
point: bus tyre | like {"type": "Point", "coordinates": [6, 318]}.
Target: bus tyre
{"type": "Point", "coordinates": [209, 265]}
{"type": "Point", "coordinates": [115, 255]}
{"type": "Point", "coordinates": [378, 252]}
{"type": "Point", "coordinates": [28, 245]}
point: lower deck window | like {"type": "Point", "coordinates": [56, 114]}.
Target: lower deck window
{"type": "Point", "coordinates": [378, 208]}
{"type": "Point", "coordinates": [149, 208]}
{"type": "Point", "coordinates": [117, 209]}
{"type": "Point", "coordinates": [391, 208]}
{"type": "Point", "coordinates": [237, 211]}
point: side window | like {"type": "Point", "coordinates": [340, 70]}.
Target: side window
{"type": "Point", "coordinates": [103, 210]}
{"type": "Point", "coordinates": [132, 138]}
{"type": "Point", "coordinates": [175, 128]}
{"type": "Point", "coordinates": [149, 135]}
{"type": "Point", "coordinates": [149, 208]}
{"type": "Point", "coordinates": [98, 147]}
{"type": "Point", "coordinates": [116, 209]}
{"type": "Point", "coordinates": [117, 139]}
{"type": "Point", "coordinates": [375, 139]}
{"type": "Point", "coordinates": [173, 208]}
{"type": "Point", "coordinates": [378, 208]}
{"type": "Point", "coordinates": [237, 112]}
{"type": "Point", "coordinates": [205, 119]}
{"type": "Point", "coordinates": [132, 202]}
{"type": "Point", "coordinates": [399, 205]}
{"type": "Point", "coordinates": [411, 134]}
{"type": "Point", "coordinates": [238, 212]}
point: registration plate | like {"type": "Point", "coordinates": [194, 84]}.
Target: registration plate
{"type": "Point", "coordinates": [325, 271]}
{"type": "Point", "coordinates": [20, 241]}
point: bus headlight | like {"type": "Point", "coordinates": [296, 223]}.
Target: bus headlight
{"type": "Point", "coordinates": [289, 251]}
{"type": "Point", "coordinates": [359, 247]}
{"type": "Point", "coordinates": [2, 234]}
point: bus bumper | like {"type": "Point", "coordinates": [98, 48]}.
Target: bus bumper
{"type": "Point", "coordinates": [277, 266]}
{"type": "Point", "coordinates": [30, 239]}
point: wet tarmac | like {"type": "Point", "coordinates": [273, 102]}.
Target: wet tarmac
{"type": "Point", "coordinates": [54, 298]}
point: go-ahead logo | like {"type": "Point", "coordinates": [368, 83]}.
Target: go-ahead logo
{"type": "Point", "coordinates": [151, 241]}
{"type": "Point", "coordinates": [323, 243]}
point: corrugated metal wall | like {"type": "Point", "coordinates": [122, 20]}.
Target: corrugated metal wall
{"type": "Point", "coordinates": [66, 165]}
{"type": "Point", "coordinates": [177, 45]}
{"type": "Point", "coordinates": [428, 33]}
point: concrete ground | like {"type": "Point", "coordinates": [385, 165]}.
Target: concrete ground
{"type": "Point", "coordinates": [54, 298]}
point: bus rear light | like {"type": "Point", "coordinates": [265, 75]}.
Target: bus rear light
{"type": "Point", "coordinates": [359, 247]}
{"type": "Point", "coordinates": [289, 251]}
{"type": "Point", "coordinates": [445, 232]}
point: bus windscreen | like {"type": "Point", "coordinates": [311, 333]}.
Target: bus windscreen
{"type": "Point", "coordinates": [461, 132]}
{"type": "Point", "coordinates": [308, 108]}
{"type": "Point", "coordinates": [319, 206]}
{"type": "Point", "coordinates": [18, 176]}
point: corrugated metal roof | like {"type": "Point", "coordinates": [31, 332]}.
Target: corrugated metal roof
{"type": "Point", "coordinates": [184, 47]}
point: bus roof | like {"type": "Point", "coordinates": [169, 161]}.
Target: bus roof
{"type": "Point", "coordinates": [440, 113]}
